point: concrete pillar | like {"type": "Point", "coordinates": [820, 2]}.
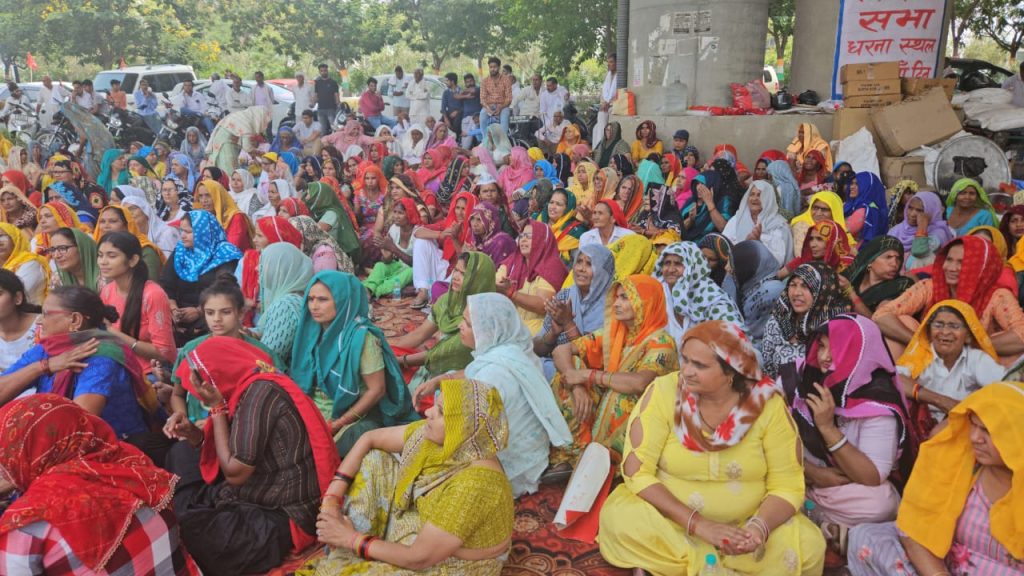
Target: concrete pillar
{"type": "Point", "coordinates": [686, 52]}
{"type": "Point", "coordinates": [814, 47]}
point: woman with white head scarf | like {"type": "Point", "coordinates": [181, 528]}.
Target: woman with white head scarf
{"type": "Point", "coordinates": [503, 358]}
{"type": "Point", "coordinates": [758, 218]}
{"type": "Point", "coordinates": [414, 144]}
{"type": "Point", "coordinates": [150, 224]}
{"type": "Point", "coordinates": [281, 189]}
{"type": "Point", "coordinates": [243, 191]}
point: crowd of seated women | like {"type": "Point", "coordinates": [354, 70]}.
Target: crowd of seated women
{"type": "Point", "coordinates": [786, 369]}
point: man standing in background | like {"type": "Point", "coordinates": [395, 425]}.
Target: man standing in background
{"type": "Point", "coordinates": [609, 92]}
{"type": "Point", "coordinates": [328, 99]}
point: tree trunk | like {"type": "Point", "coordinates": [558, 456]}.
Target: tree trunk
{"type": "Point", "coordinates": [781, 41]}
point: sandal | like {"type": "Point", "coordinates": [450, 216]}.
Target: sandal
{"type": "Point", "coordinates": [836, 536]}
{"type": "Point", "coordinates": [557, 474]}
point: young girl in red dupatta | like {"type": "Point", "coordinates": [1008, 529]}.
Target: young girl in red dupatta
{"type": "Point", "coordinates": [826, 242]}
{"type": "Point", "coordinates": [273, 448]}
{"type": "Point", "coordinates": [269, 230]}
{"type": "Point", "coordinates": [813, 171]}
{"type": "Point", "coordinates": [438, 245]}
{"type": "Point", "coordinates": [118, 518]}
{"type": "Point", "coordinates": [533, 274]}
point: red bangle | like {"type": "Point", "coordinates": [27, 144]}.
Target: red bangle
{"type": "Point", "coordinates": [917, 388]}
{"type": "Point", "coordinates": [219, 409]}
{"type": "Point", "coordinates": [364, 547]}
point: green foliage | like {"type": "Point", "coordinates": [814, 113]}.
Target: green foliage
{"type": "Point", "coordinates": [781, 21]}
{"type": "Point", "coordinates": [568, 31]}
{"type": "Point", "coordinates": [1002, 21]}
{"type": "Point", "coordinates": [447, 28]}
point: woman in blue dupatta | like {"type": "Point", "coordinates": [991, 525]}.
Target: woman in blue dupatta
{"type": "Point", "coordinates": [543, 171]}
{"type": "Point", "coordinates": [503, 358]}
{"type": "Point", "coordinates": [866, 213]}
{"type": "Point", "coordinates": [347, 366]}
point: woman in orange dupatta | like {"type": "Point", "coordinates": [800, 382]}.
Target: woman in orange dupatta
{"type": "Point", "coordinates": [616, 363]}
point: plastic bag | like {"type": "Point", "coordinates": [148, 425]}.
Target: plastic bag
{"type": "Point", "coordinates": [741, 96]}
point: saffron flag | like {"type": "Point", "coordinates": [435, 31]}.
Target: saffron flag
{"type": "Point", "coordinates": [31, 62]}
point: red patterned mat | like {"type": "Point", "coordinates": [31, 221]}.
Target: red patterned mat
{"type": "Point", "coordinates": [397, 318]}
{"type": "Point", "coordinates": [538, 550]}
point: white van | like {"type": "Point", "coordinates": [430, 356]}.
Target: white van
{"type": "Point", "coordinates": [161, 78]}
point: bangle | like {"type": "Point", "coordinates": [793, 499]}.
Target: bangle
{"type": "Point", "coordinates": [761, 525]}
{"type": "Point", "coordinates": [839, 444]}
{"type": "Point", "coordinates": [403, 361]}
{"type": "Point", "coordinates": [352, 544]}
{"type": "Point", "coordinates": [608, 380]}
{"type": "Point", "coordinates": [44, 364]}
{"type": "Point", "coordinates": [917, 389]}
{"type": "Point", "coordinates": [344, 477]}
{"type": "Point", "coordinates": [134, 345]}
{"type": "Point", "coordinates": [364, 547]}
{"type": "Point", "coordinates": [220, 409]}
{"type": "Point", "coordinates": [691, 526]}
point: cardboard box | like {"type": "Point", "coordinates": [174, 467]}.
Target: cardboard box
{"type": "Point", "coordinates": [871, 87]}
{"type": "Point", "coordinates": [875, 101]}
{"type": "Point", "coordinates": [913, 123]}
{"type": "Point", "coordinates": [918, 86]}
{"type": "Point", "coordinates": [899, 168]}
{"type": "Point", "coordinates": [847, 121]}
{"type": "Point", "coordinates": [870, 71]}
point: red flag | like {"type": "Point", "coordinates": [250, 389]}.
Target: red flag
{"type": "Point", "coordinates": [31, 62]}
{"type": "Point", "coordinates": [122, 65]}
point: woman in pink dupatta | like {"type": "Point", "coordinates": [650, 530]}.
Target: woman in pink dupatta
{"type": "Point", "coordinates": [518, 172]}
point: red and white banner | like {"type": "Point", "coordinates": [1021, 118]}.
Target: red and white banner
{"type": "Point", "coordinates": [904, 31]}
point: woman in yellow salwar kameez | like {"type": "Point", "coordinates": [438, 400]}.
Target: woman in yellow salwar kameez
{"type": "Point", "coordinates": [444, 507]}
{"type": "Point", "coordinates": [616, 363]}
{"type": "Point", "coordinates": [712, 470]}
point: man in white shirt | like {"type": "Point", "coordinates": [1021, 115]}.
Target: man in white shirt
{"type": "Point", "coordinates": [609, 92]}
{"type": "Point", "coordinates": [399, 86]}
{"type": "Point", "coordinates": [551, 133]}
{"type": "Point", "coordinates": [85, 97]}
{"type": "Point", "coordinates": [553, 98]}
{"type": "Point", "coordinates": [1015, 84]}
{"type": "Point", "coordinates": [51, 96]}
{"type": "Point", "coordinates": [192, 103]}
{"type": "Point", "coordinates": [14, 100]}
{"type": "Point", "coordinates": [219, 89]}
{"type": "Point", "coordinates": [308, 132]}
{"type": "Point", "coordinates": [236, 98]}
{"type": "Point", "coordinates": [527, 102]}
{"type": "Point", "coordinates": [419, 98]}
{"type": "Point", "coordinates": [303, 92]}
{"type": "Point", "coordinates": [262, 95]}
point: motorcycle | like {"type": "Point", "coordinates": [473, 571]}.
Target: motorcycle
{"type": "Point", "coordinates": [23, 124]}
{"type": "Point", "coordinates": [127, 127]}
{"type": "Point", "coordinates": [584, 123]}
{"type": "Point", "coordinates": [345, 113]}
{"type": "Point", "coordinates": [61, 134]}
{"type": "Point", "coordinates": [523, 129]}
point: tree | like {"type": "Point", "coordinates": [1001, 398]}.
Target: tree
{"type": "Point", "coordinates": [447, 28]}
{"type": "Point", "coordinates": [338, 31]}
{"type": "Point", "coordinates": [1003, 22]}
{"type": "Point", "coordinates": [103, 32]}
{"type": "Point", "coordinates": [781, 20]}
{"type": "Point", "coordinates": [964, 13]}
{"type": "Point", "coordinates": [565, 42]}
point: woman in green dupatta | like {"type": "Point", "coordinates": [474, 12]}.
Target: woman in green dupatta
{"type": "Point", "coordinates": [874, 277]}
{"type": "Point", "coordinates": [444, 506]}
{"type": "Point", "coordinates": [112, 170]}
{"type": "Point", "coordinates": [560, 215]}
{"type": "Point", "coordinates": [74, 253]}
{"type": "Point", "coordinates": [333, 217]}
{"type": "Point", "coordinates": [474, 273]}
{"type": "Point", "coordinates": [348, 368]}
{"type": "Point", "coordinates": [284, 273]}
{"type": "Point", "coordinates": [610, 145]}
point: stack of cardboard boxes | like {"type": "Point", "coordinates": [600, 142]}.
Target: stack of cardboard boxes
{"type": "Point", "coordinates": [873, 99]}
{"type": "Point", "coordinates": [870, 85]}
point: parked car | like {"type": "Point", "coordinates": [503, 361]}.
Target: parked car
{"type": "Point", "coordinates": [973, 74]}
{"type": "Point", "coordinates": [161, 78]}
{"type": "Point", "coordinates": [770, 79]}
{"type": "Point", "coordinates": [284, 97]}
{"type": "Point", "coordinates": [437, 88]}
